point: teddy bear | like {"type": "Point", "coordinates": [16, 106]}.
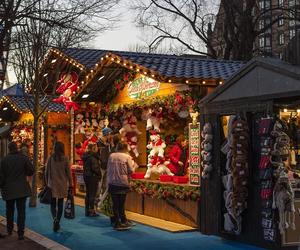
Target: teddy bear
{"type": "Point", "coordinates": [154, 118]}
{"type": "Point", "coordinates": [158, 165]}
{"type": "Point", "coordinates": [157, 145]}
{"type": "Point", "coordinates": [131, 139]}
{"type": "Point", "coordinates": [130, 132]}
{"type": "Point", "coordinates": [129, 124]}
{"type": "Point", "coordinates": [68, 86]}
{"type": "Point", "coordinates": [94, 120]}
{"type": "Point", "coordinates": [79, 124]}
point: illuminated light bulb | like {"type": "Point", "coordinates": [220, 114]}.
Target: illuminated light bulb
{"type": "Point", "coordinates": [170, 81]}
{"type": "Point", "coordinates": [102, 58]}
{"type": "Point", "coordinates": [145, 73]}
{"type": "Point", "coordinates": [137, 69]}
{"type": "Point", "coordinates": [92, 71]}
{"type": "Point", "coordinates": [152, 75]}
{"type": "Point", "coordinates": [106, 56]}
{"type": "Point", "coordinates": [298, 110]}
{"type": "Point", "coordinates": [203, 82]}
{"type": "Point", "coordinates": [124, 64]}
{"type": "Point", "coordinates": [96, 64]}
{"type": "Point", "coordinates": [220, 82]}
{"type": "Point", "coordinates": [131, 67]}
{"type": "Point", "coordinates": [285, 110]}
{"type": "Point", "coordinates": [112, 59]}
{"type": "Point", "coordinates": [82, 82]}
{"type": "Point", "coordinates": [186, 81]}
{"type": "Point", "coordinates": [118, 61]}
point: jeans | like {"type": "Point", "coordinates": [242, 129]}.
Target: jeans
{"type": "Point", "coordinates": [91, 184]}
{"type": "Point", "coordinates": [118, 200]}
{"type": "Point", "coordinates": [21, 209]}
{"type": "Point", "coordinates": [57, 208]}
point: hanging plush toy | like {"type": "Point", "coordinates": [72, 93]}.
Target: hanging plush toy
{"type": "Point", "coordinates": [79, 124]}
{"type": "Point", "coordinates": [130, 132]}
{"type": "Point", "coordinates": [68, 86]}
{"type": "Point", "coordinates": [283, 199]}
{"type": "Point", "coordinates": [154, 118]}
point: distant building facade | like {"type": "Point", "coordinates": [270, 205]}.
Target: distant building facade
{"type": "Point", "coordinates": [273, 41]}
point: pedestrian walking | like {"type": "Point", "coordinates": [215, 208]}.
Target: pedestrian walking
{"type": "Point", "coordinates": [14, 170]}
{"type": "Point", "coordinates": [120, 167]}
{"type": "Point", "coordinates": [91, 176]}
{"type": "Point", "coordinates": [58, 178]}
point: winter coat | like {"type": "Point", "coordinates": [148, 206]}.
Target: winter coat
{"type": "Point", "coordinates": [58, 177]}
{"type": "Point", "coordinates": [91, 164]}
{"type": "Point", "coordinates": [14, 169]}
{"type": "Point", "coordinates": [174, 158]}
{"type": "Point", "coordinates": [120, 167]}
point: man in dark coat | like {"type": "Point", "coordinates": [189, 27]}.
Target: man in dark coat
{"type": "Point", "coordinates": [14, 170]}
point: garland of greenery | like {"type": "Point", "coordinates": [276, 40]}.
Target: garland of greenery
{"type": "Point", "coordinates": [165, 191]}
{"type": "Point", "coordinates": [175, 101]}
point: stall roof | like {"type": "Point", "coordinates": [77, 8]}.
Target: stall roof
{"type": "Point", "coordinates": [16, 90]}
{"type": "Point", "coordinates": [185, 66]}
{"type": "Point", "coordinates": [260, 79]}
{"type": "Point", "coordinates": [21, 105]}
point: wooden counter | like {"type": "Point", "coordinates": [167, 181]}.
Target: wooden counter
{"type": "Point", "coordinates": [180, 211]}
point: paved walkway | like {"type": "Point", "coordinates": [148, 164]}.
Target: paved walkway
{"type": "Point", "coordinates": [96, 233]}
{"type": "Point", "coordinates": [12, 242]}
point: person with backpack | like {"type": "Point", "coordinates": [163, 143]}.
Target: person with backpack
{"type": "Point", "coordinates": [14, 170]}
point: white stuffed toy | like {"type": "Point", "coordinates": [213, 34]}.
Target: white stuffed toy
{"type": "Point", "coordinates": [157, 145]}
{"type": "Point", "coordinates": [154, 119]}
{"type": "Point", "coordinates": [157, 165]}
{"type": "Point", "coordinates": [129, 124]}
{"type": "Point", "coordinates": [79, 124]}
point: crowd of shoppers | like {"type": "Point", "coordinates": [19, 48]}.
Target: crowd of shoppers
{"type": "Point", "coordinates": [109, 159]}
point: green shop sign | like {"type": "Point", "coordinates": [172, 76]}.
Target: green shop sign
{"type": "Point", "coordinates": [142, 87]}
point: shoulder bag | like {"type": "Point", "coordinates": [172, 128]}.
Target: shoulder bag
{"type": "Point", "coordinates": [45, 195]}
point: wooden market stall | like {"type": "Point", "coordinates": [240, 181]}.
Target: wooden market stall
{"type": "Point", "coordinates": [55, 125]}
{"type": "Point", "coordinates": [141, 95]}
{"type": "Point", "coordinates": [255, 120]}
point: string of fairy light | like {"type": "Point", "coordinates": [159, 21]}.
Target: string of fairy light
{"type": "Point", "coordinates": [110, 57]}
{"type": "Point", "coordinates": [6, 99]}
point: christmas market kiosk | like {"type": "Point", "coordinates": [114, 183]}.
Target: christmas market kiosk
{"type": "Point", "coordinates": [15, 115]}
{"type": "Point", "coordinates": [151, 101]}
{"type": "Point", "coordinates": [253, 193]}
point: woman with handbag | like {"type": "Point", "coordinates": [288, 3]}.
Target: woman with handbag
{"type": "Point", "coordinates": [58, 178]}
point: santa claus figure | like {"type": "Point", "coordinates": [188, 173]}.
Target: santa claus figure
{"type": "Point", "coordinates": [68, 86]}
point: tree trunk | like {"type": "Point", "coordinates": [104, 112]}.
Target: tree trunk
{"type": "Point", "coordinates": [33, 198]}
